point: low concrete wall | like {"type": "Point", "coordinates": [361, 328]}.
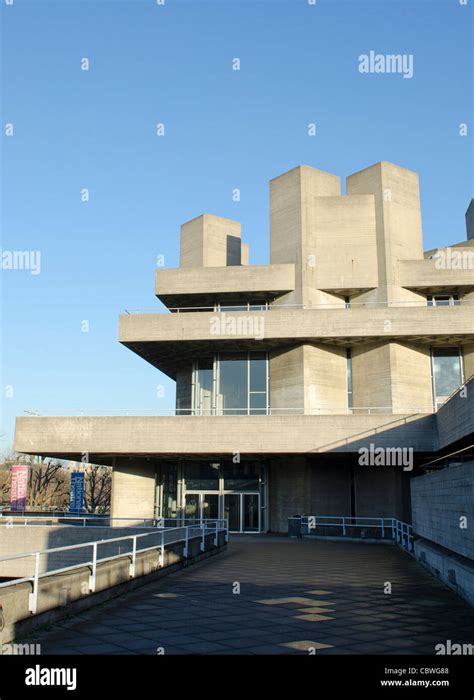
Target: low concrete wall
{"type": "Point", "coordinates": [455, 571]}
{"type": "Point", "coordinates": [61, 595]}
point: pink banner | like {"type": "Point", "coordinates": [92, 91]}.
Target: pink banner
{"type": "Point", "coordinates": [19, 487]}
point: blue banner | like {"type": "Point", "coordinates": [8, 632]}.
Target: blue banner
{"type": "Point", "coordinates": [77, 492]}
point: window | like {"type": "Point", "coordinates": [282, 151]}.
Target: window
{"type": "Point", "coordinates": [241, 477]}
{"type": "Point", "coordinates": [349, 377]}
{"type": "Point", "coordinates": [443, 300]}
{"type": "Point", "coordinates": [446, 372]}
{"type": "Point", "coordinates": [201, 477]}
{"type": "Point", "coordinates": [203, 386]}
{"type": "Point", "coordinates": [243, 306]}
{"type": "Point", "coordinates": [231, 384]}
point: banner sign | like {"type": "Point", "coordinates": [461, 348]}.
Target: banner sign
{"type": "Point", "coordinates": [19, 487]}
{"type": "Point", "coordinates": [76, 504]}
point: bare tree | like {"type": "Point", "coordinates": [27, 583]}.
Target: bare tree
{"type": "Point", "coordinates": [97, 488]}
{"type": "Point", "coordinates": [48, 485]}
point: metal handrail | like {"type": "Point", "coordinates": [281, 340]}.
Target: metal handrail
{"type": "Point", "coordinates": [89, 520]}
{"type": "Point", "coordinates": [420, 303]}
{"type": "Point", "coordinates": [246, 411]}
{"type": "Point", "coordinates": [33, 597]}
{"type": "Point", "coordinates": [400, 531]}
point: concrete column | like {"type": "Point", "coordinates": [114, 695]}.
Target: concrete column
{"type": "Point", "coordinates": [289, 492]}
{"type": "Point", "coordinates": [398, 224]}
{"type": "Point", "coordinates": [381, 491]}
{"type": "Point", "coordinates": [292, 197]}
{"type": "Point", "coordinates": [310, 377]}
{"type": "Point", "coordinates": [133, 490]}
{"type": "Point", "coordinates": [330, 488]}
{"type": "Point", "coordinates": [468, 359]}
{"type": "Point", "coordinates": [393, 376]}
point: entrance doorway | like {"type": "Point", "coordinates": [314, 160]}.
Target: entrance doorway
{"type": "Point", "coordinates": [242, 510]}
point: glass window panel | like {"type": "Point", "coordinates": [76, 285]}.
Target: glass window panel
{"type": "Point", "coordinates": [258, 404]}
{"type": "Point", "coordinates": [238, 307]}
{"type": "Point", "coordinates": [170, 491]}
{"type": "Point", "coordinates": [258, 373]}
{"type": "Point", "coordinates": [233, 384]}
{"type": "Point", "coordinates": [210, 506]}
{"type": "Point", "coordinates": [191, 509]}
{"type": "Point", "coordinates": [201, 477]}
{"type": "Point", "coordinates": [250, 512]}
{"type": "Point", "coordinates": [203, 388]}
{"type": "Point", "coordinates": [241, 477]}
{"type": "Point", "coordinates": [446, 371]}
{"type": "Point", "coordinates": [232, 511]}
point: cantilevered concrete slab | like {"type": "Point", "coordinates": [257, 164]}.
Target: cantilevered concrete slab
{"type": "Point", "coordinates": [187, 435]}
{"type": "Point", "coordinates": [201, 286]}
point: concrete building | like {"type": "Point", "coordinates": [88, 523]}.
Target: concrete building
{"type": "Point", "coordinates": [351, 339]}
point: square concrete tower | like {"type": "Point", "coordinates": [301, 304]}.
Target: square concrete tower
{"type": "Point", "coordinates": [211, 241]}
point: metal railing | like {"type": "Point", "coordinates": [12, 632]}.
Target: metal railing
{"type": "Point", "coordinates": [387, 528]}
{"type": "Point", "coordinates": [233, 412]}
{"type": "Point", "coordinates": [91, 520]}
{"type": "Point", "coordinates": [188, 532]}
{"type": "Point", "coordinates": [342, 306]}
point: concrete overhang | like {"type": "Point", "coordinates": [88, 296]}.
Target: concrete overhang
{"type": "Point", "coordinates": [202, 286]}
{"type": "Point", "coordinates": [170, 340]}
{"type": "Point", "coordinates": [105, 436]}
{"type": "Point", "coordinates": [428, 277]}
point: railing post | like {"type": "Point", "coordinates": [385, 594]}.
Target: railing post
{"type": "Point", "coordinates": [186, 542]}
{"type": "Point", "coordinates": [162, 550]}
{"type": "Point", "coordinates": [92, 577]}
{"type": "Point", "coordinates": [134, 557]}
{"type": "Point", "coordinates": [33, 598]}
{"type": "Point", "coordinates": [383, 528]}
{"type": "Point", "coordinates": [344, 526]}
{"type": "Point", "coordinates": [216, 536]}
{"type": "Point", "coordinates": [203, 536]}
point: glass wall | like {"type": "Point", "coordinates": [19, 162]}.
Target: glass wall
{"type": "Point", "coordinates": [205, 489]}
{"type": "Point", "coordinates": [447, 373]}
{"type": "Point", "coordinates": [231, 384]}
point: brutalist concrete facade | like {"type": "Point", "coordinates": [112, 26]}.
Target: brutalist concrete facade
{"type": "Point", "coordinates": [342, 341]}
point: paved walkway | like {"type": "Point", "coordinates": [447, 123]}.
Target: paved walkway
{"type": "Point", "coordinates": [293, 595]}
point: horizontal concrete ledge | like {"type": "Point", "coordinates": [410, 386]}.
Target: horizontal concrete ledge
{"type": "Point", "coordinates": [311, 325]}
{"type": "Point", "coordinates": [428, 276]}
{"type": "Point", "coordinates": [177, 285]}
{"type": "Point", "coordinates": [61, 595]}
{"type": "Point", "coordinates": [69, 437]}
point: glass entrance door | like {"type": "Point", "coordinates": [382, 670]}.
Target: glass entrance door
{"type": "Point", "coordinates": [242, 511]}
{"type": "Point", "coordinates": [202, 506]}
{"type": "Point", "coordinates": [250, 512]}
{"type": "Point", "coordinates": [232, 511]}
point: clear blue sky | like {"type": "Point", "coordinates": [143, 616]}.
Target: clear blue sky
{"type": "Point", "coordinates": [225, 129]}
